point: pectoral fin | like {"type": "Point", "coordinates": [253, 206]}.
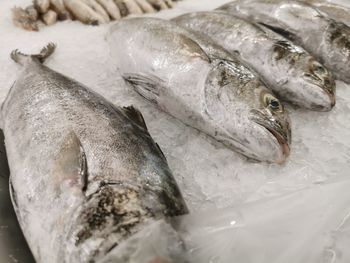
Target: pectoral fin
{"type": "Point", "coordinates": [70, 166]}
{"type": "Point", "coordinates": [135, 115]}
{"type": "Point", "coordinates": [148, 87]}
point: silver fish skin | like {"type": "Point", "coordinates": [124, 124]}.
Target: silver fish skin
{"type": "Point", "coordinates": [292, 73]}
{"type": "Point", "coordinates": [335, 11]}
{"type": "Point", "coordinates": [85, 174]}
{"type": "Point", "coordinates": [323, 37]}
{"type": "Point", "coordinates": [203, 85]}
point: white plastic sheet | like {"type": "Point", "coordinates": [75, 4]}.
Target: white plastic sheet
{"type": "Point", "coordinates": [296, 212]}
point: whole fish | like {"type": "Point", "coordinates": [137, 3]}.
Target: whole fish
{"type": "Point", "coordinates": [333, 10]}
{"type": "Point", "coordinates": [200, 83]}
{"type": "Point", "coordinates": [288, 70]}
{"type": "Point", "coordinates": [25, 18]}
{"type": "Point", "coordinates": [83, 12]}
{"type": "Point", "coordinates": [85, 174]}
{"type": "Point", "coordinates": [325, 38]}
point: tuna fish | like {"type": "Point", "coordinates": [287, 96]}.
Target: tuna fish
{"type": "Point", "coordinates": [85, 174]}
{"type": "Point", "coordinates": [325, 38]}
{"type": "Point", "coordinates": [289, 70]}
{"type": "Point", "coordinates": [200, 83]}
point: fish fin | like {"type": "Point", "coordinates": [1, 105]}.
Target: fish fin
{"type": "Point", "coordinates": [147, 86]}
{"type": "Point", "coordinates": [45, 52]}
{"type": "Point", "coordinates": [70, 166]}
{"type": "Point", "coordinates": [135, 115]}
{"type": "Point", "coordinates": [13, 197]}
{"type": "Point", "coordinates": [4, 167]}
{"type": "Point", "coordinates": [160, 150]}
{"type": "Point", "coordinates": [285, 33]}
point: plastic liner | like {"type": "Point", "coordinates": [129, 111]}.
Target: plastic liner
{"type": "Point", "coordinates": [310, 225]}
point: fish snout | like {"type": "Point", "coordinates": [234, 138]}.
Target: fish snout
{"type": "Point", "coordinates": [278, 125]}
{"type": "Point", "coordinates": [325, 86]}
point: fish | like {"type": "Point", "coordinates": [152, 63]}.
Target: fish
{"type": "Point", "coordinates": [111, 8]}
{"type": "Point", "coordinates": [83, 12]}
{"type": "Point", "coordinates": [42, 5]}
{"type": "Point", "coordinates": [291, 72]}
{"type": "Point", "coordinates": [85, 174]}
{"type": "Point", "coordinates": [333, 10]}
{"type": "Point", "coordinates": [158, 4]}
{"type": "Point", "coordinates": [49, 18]}
{"type": "Point", "coordinates": [94, 5]}
{"type": "Point", "coordinates": [145, 6]}
{"type": "Point", "coordinates": [59, 8]}
{"type": "Point", "coordinates": [132, 7]}
{"type": "Point", "coordinates": [203, 85]}
{"type": "Point", "coordinates": [25, 18]}
{"type": "Point", "coordinates": [324, 38]}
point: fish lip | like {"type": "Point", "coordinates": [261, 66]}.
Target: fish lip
{"type": "Point", "coordinates": [329, 90]}
{"type": "Point", "coordinates": [281, 139]}
{"type": "Point", "coordinates": [331, 96]}
{"type": "Point", "coordinates": [327, 85]}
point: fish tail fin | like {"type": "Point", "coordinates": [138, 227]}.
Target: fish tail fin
{"type": "Point", "coordinates": [45, 52]}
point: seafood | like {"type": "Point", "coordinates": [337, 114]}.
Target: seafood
{"type": "Point", "coordinates": [85, 174]}
{"type": "Point", "coordinates": [59, 8]}
{"type": "Point", "coordinates": [98, 9]}
{"type": "Point", "coordinates": [25, 18]}
{"type": "Point", "coordinates": [335, 11]}
{"type": "Point", "coordinates": [145, 6]}
{"type": "Point", "coordinates": [111, 8]}
{"type": "Point", "coordinates": [132, 7]}
{"type": "Point", "coordinates": [49, 18]}
{"type": "Point", "coordinates": [83, 12]}
{"type": "Point", "coordinates": [323, 37]}
{"type": "Point", "coordinates": [42, 5]}
{"type": "Point", "coordinates": [158, 4]}
{"type": "Point", "coordinates": [288, 70]}
{"type": "Point", "coordinates": [92, 12]}
{"type": "Point", "coordinates": [200, 83]}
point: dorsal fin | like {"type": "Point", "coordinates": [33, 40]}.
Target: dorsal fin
{"type": "Point", "coordinates": [45, 52]}
{"type": "Point", "coordinates": [135, 115]}
{"type": "Point", "coordinates": [283, 32]}
{"type": "Point", "coordinates": [70, 166]}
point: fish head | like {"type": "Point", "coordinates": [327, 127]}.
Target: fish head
{"type": "Point", "coordinates": [336, 42]}
{"type": "Point", "coordinates": [269, 113]}
{"type": "Point", "coordinates": [320, 85]}
{"type": "Point", "coordinates": [247, 115]}
{"type": "Point", "coordinates": [313, 84]}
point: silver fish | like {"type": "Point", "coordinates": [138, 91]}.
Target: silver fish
{"type": "Point", "coordinates": [333, 10]}
{"type": "Point", "coordinates": [85, 174]}
{"type": "Point", "coordinates": [200, 83]}
{"type": "Point", "coordinates": [288, 70]}
{"type": "Point", "coordinates": [325, 38]}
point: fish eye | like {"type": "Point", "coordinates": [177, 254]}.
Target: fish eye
{"type": "Point", "coordinates": [318, 68]}
{"type": "Point", "coordinates": [272, 102]}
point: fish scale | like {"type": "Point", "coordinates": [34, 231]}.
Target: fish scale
{"type": "Point", "coordinates": [80, 166]}
{"type": "Point", "coordinates": [194, 79]}
{"type": "Point", "coordinates": [326, 39]}
{"type": "Point", "coordinates": [287, 69]}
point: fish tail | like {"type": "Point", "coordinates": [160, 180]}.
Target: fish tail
{"type": "Point", "coordinates": [45, 52]}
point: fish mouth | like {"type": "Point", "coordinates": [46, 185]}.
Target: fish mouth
{"type": "Point", "coordinates": [281, 141]}
{"type": "Point", "coordinates": [282, 135]}
{"type": "Point", "coordinates": [328, 87]}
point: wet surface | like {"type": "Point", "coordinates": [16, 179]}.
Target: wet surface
{"type": "Point", "coordinates": [13, 247]}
